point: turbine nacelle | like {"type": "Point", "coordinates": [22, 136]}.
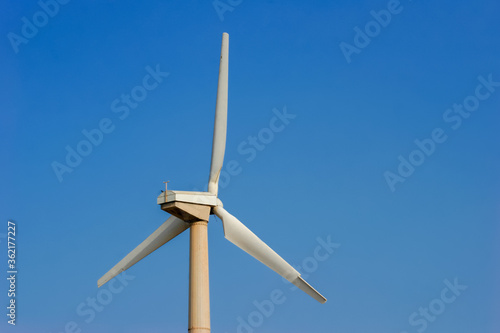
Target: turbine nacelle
{"type": "Point", "coordinates": [189, 206]}
{"type": "Point", "coordinates": [199, 198]}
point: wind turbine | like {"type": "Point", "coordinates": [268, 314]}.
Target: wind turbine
{"type": "Point", "coordinates": [192, 210]}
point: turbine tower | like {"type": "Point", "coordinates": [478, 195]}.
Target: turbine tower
{"type": "Point", "coordinates": [192, 210]}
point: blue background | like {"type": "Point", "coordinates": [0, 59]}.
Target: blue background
{"type": "Point", "coordinates": [322, 176]}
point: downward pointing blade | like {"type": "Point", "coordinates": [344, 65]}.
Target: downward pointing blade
{"type": "Point", "coordinates": [238, 234]}
{"type": "Point", "coordinates": [308, 289]}
{"type": "Point", "coordinates": [167, 231]}
{"type": "Point", "coordinates": [219, 141]}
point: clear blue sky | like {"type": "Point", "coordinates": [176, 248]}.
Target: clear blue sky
{"type": "Point", "coordinates": [362, 92]}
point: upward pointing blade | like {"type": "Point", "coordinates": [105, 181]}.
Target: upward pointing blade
{"type": "Point", "coordinates": [167, 231]}
{"type": "Point", "coordinates": [219, 141]}
{"type": "Point", "coordinates": [238, 234]}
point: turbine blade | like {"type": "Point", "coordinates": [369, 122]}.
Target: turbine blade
{"type": "Point", "coordinates": [238, 234]}
{"type": "Point", "coordinates": [220, 125]}
{"type": "Point", "coordinates": [308, 289]}
{"type": "Point", "coordinates": [167, 231]}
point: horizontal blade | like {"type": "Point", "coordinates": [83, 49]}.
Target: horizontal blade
{"type": "Point", "coordinates": [238, 234]}
{"type": "Point", "coordinates": [167, 231]}
{"type": "Point", "coordinates": [220, 124]}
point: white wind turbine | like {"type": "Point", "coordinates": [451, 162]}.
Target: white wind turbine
{"type": "Point", "coordinates": [192, 210]}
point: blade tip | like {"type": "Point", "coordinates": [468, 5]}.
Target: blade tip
{"type": "Point", "coordinates": [101, 282]}
{"type": "Point", "coordinates": [310, 290]}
